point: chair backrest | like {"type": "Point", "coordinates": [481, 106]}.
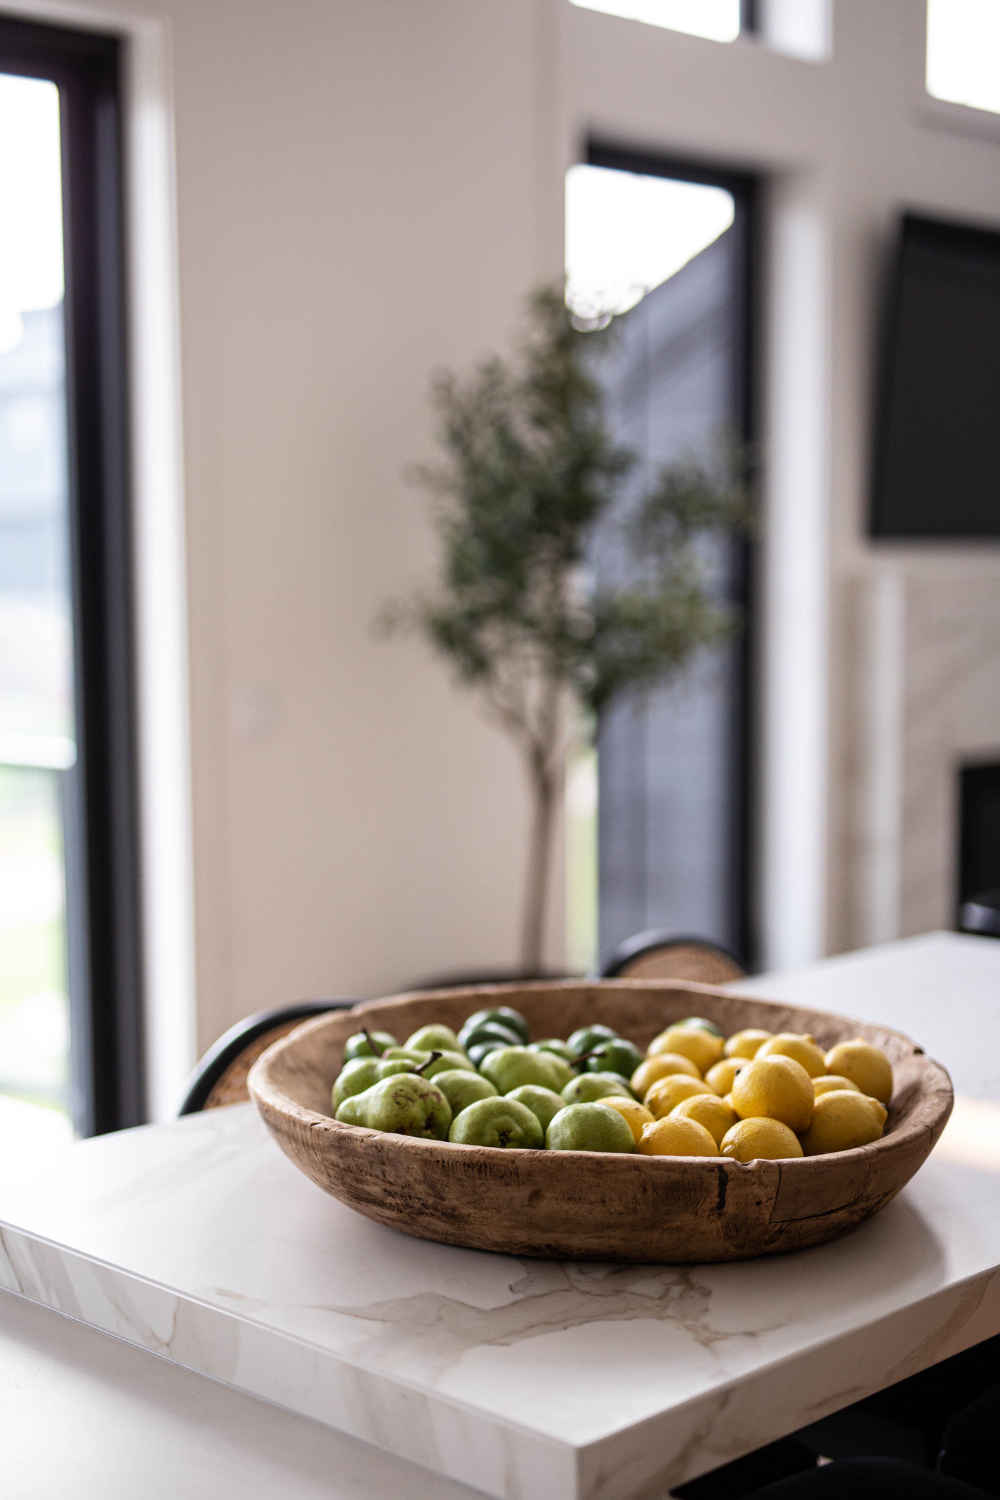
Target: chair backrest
{"type": "Point", "coordinates": [221, 1076]}
{"type": "Point", "coordinates": [981, 914]}
{"type": "Point", "coordinates": [661, 955]}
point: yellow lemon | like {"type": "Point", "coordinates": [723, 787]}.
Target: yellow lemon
{"type": "Point", "coordinates": [759, 1140]}
{"type": "Point", "coordinates": [701, 1047]}
{"type": "Point", "coordinates": [635, 1115]}
{"type": "Point", "coordinates": [676, 1137]}
{"type": "Point", "coordinates": [746, 1043]}
{"type": "Point", "coordinates": [828, 1081]}
{"type": "Point", "coordinates": [667, 1092]}
{"type": "Point", "coordinates": [709, 1110]}
{"type": "Point", "coordinates": [842, 1119]}
{"type": "Point", "coordinates": [802, 1048]}
{"type": "Point", "coordinates": [720, 1079]}
{"type": "Point", "coordinates": [647, 1073]}
{"type": "Point", "coordinates": [777, 1087]}
{"type": "Point", "coordinates": [863, 1064]}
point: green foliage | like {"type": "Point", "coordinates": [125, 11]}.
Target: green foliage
{"type": "Point", "coordinates": [531, 470]}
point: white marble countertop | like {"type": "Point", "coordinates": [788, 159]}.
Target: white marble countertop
{"type": "Point", "coordinates": [200, 1241]}
{"type": "Point", "coordinates": [87, 1415]}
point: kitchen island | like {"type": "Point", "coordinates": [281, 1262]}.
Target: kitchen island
{"type": "Point", "coordinates": [529, 1380]}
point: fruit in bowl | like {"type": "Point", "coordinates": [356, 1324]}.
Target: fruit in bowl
{"type": "Point", "coordinates": [756, 1095]}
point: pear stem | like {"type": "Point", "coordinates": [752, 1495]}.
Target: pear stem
{"type": "Point", "coordinates": [373, 1044]}
{"type": "Point", "coordinates": [433, 1058]}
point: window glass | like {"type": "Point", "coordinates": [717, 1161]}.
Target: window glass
{"type": "Point", "coordinates": [626, 233]}
{"type": "Point", "coordinates": [654, 820]}
{"type": "Point", "coordinates": [963, 52]}
{"type": "Point", "coordinates": [718, 20]}
{"type": "Point", "coordinates": [36, 714]}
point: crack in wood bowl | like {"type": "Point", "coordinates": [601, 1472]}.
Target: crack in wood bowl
{"type": "Point", "coordinates": [579, 1205]}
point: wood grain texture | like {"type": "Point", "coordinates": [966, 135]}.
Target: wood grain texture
{"type": "Point", "coordinates": [578, 1205]}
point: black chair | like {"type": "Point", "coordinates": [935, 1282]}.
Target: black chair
{"type": "Point", "coordinates": [662, 955]}
{"type": "Point", "coordinates": [981, 914]}
{"type": "Point", "coordinates": [928, 1437]}
{"type": "Point", "coordinates": [221, 1076]}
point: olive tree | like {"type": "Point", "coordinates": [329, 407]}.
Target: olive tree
{"type": "Point", "coordinates": [529, 469]}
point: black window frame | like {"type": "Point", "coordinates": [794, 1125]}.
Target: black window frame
{"type": "Point", "coordinates": [103, 916]}
{"type": "Point", "coordinates": [745, 188]}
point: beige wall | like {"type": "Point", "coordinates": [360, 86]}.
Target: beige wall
{"type": "Point", "coordinates": [365, 188]}
{"type": "Point", "coordinates": [352, 215]}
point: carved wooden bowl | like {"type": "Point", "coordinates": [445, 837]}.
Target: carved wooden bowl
{"type": "Point", "coordinates": [579, 1205]}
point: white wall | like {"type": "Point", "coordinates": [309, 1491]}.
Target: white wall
{"type": "Point", "coordinates": [365, 188]}
{"type": "Point", "coordinates": [353, 214]}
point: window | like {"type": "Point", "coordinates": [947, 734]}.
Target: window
{"type": "Point", "coordinates": [963, 52]}
{"type": "Point", "coordinates": [718, 20]}
{"type": "Point", "coordinates": [665, 799]}
{"type": "Point", "coordinates": [69, 967]}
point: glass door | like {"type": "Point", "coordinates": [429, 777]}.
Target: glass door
{"type": "Point", "coordinates": [657, 821]}
{"type": "Point", "coordinates": [70, 992]}
{"type": "Point", "coordinates": [37, 733]}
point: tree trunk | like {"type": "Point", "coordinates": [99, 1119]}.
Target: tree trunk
{"type": "Point", "coordinates": [539, 858]}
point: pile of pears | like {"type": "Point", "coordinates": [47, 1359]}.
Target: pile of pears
{"type": "Point", "coordinates": [491, 1085]}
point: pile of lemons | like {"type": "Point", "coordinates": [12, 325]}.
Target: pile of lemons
{"type": "Point", "coordinates": [756, 1095]}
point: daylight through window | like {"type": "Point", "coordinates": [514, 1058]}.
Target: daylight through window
{"type": "Point", "coordinates": [36, 705]}
{"type": "Point", "coordinates": [718, 20]}
{"type": "Point", "coordinates": [963, 52]}
{"type": "Point", "coordinates": [654, 818]}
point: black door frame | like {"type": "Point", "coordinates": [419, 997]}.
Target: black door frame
{"type": "Point", "coordinates": [101, 801]}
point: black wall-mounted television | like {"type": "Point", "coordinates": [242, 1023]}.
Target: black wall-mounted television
{"type": "Point", "coordinates": [937, 464]}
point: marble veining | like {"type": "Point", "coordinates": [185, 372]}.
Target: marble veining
{"type": "Point", "coordinates": [529, 1380]}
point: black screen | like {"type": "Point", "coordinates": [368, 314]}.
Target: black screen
{"type": "Point", "coordinates": [938, 462]}
{"type": "Point", "coordinates": [979, 853]}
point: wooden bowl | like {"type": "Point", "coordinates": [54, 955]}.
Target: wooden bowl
{"type": "Point", "coordinates": [579, 1205]}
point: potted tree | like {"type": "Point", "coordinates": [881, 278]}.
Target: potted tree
{"type": "Point", "coordinates": [530, 469]}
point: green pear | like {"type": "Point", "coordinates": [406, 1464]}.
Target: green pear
{"type": "Point", "coordinates": [563, 1070]}
{"type": "Point", "coordinates": [501, 1015]}
{"type": "Point", "coordinates": [555, 1046]}
{"type": "Point", "coordinates": [447, 1062]}
{"type": "Point", "coordinates": [361, 1072]}
{"type": "Point", "coordinates": [543, 1103]}
{"type": "Point", "coordinates": [700, 1024]}
{"type": "Point", "coordinates": [351, 1111]}
{"type": "Point", "coordinates": [462, 1088]}
{"type": "Point", "coordinates": [408, 1053]}
{"type": "Point", "coordinates": [589, 1127]}
{"type": "Point", "coordinates": [589, 1037]}
{"type": "Point", "coordinates": [590, 1087]}
{"type": "Point", "coordinates": [488, 1031]}
{"type": "Point", "coordinates": [498, 1122]}
{"type": "Point", "coordinates": [403, 1104]}
{"type": "Point", "coordinates": [360, 1046]}
{"type": "Point", "coordinates": [434, 1039]}
{"type": "Point", "coordinates": [476, 1051]}
{"type": "Point", "coordinates": [619, 1057]}
{"type": "Point", "coordinates": [510, 1067]}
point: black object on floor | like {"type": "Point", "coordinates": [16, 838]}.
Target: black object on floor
{"type": "Point", "coordinates": [969, 1448]}
{"type": "Point", "coordinates": [908, 1420]}
{"type": "Point", "coordinates": [869, 1479]}
{"type": "Point", "coordinates": [981, 914]}
{"type": "Point", "coordinates": [786, 1456]}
